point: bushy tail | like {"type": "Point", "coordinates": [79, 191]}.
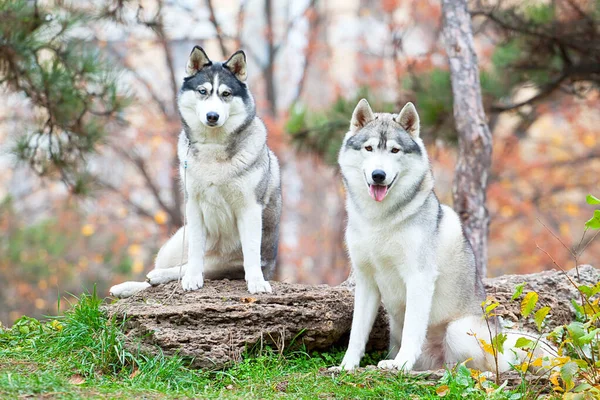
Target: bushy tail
{"type": "Point", "coordinates": [464, 339]}
{"type": "Point", "coordinates": [170, 254]}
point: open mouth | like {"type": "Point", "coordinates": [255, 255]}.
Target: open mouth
{"type": "Point", "coordinates": [378, 192]}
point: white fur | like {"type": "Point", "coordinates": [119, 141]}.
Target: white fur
{"type": "Point", "coordinates": [396, 259]}
{"type": "Point", "coordinates": [222, 211]}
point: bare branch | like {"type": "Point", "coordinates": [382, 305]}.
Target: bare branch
{"type": "Point", "coordinates": [218, 30]}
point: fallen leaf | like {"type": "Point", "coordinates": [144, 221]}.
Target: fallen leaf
{"type": "Point", "coordinates": [76, 380]}
{"type": "Point", "coordinates": [442, 390]}
{"type": "Point", "coordinates": [281, 386]}
{"type": "Point", "coordinates": [247, 299]}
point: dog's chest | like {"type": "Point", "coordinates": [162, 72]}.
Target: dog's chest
{"type": "Point", "coordinates": [218, 206]}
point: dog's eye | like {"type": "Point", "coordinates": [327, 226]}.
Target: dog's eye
{"type": "Point", "coordinates": [395, 150]}
{"type": "Point", "coordinates": [226, 94]}
{"type": "Point", "coordinates": [202, 91]}
{"type": "Point", "coordinates": [369, 148]}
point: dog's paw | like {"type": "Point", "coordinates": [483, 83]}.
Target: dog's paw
{"type": "Point", "coordinates": [346, 365]}
{"type": "Point", "coordinates": [259, 286]}
{"type": "Point", "coordinates": [127, 289]}
{"type": "Point", "coordinates": [158, 277]}
{"type": "Point", "coordinates": [394, 365]}
{"type": "Point", "coordinates": [388, 364]}
{"type": "Point", "coordinates": [192, 282]}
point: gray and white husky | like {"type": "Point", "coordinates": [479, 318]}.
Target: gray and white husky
{"type": "Point", "coordinates": [232, 184]}
{"type": "Point", "coordinates": [408, 251]}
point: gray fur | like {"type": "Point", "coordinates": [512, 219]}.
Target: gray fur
{"type": "Point", "coordinates": [233, 182]}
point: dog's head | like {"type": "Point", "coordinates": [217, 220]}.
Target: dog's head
{"type": "Point", "coordinates": [212, 92]}
{"type": "Point", "coordinates": [381, 149]}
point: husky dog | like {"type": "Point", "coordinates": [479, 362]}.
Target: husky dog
{"type": "Point", "coordinates": [407, 250]}
{"type": "Point", "coordinates": [232, 184]}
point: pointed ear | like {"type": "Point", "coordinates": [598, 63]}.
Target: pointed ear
{"type": "Point", "coordinates": [362, 115]}
{"type": "Point", "coordinates": [237, 65]}
{"type": "Point", "coordinates": [198, 60]}
{"type": "Point", "coordinates": [409, 119]}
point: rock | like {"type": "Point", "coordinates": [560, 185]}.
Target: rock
{"type": "Point", "coordinates": [215, 325]}
{"type": "Point", "coordinates": [555, 289]}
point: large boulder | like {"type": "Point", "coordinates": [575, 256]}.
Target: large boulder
{"type": "Point", "coordinates": [214, 325]}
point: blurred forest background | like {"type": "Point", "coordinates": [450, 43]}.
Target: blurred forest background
{"type": "Point", "coordinates": [88, 183]}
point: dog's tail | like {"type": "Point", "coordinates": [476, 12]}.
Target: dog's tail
{"type": "Point", "coordinates": [169, 255]}
{"type": "Point", "coordinates": [174, 252]}
{"type": "Point", "coordinates": [467, 337]}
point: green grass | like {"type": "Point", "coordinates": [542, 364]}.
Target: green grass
{"type": "Point", "coordinates": [82, 355]}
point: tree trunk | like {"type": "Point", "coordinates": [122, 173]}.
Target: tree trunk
{"type": "Point", "coordinates": [216, 324]}
{"type": "Point", "coordinates": [269, 69]}
{"type": "Point", "coordinates": [474, 137]}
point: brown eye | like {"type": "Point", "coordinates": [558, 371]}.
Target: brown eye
{"type": "Point", "coordinates": [368, 148]}
{"type": "Point", "coordinates": [395, 150]}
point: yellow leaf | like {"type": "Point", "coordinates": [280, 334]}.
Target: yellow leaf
{"type": "Point", "coordinates": [524, 367]}
{"type": "Point", "coordinates": [134, 249]}
{"type": "Point", "coordinates": [56, 325]}
{"type": "Point", "coordinates": [537, 362]}
{"type": "Point", "coordinates": [442, 390]}
{"type": "Point", "coordinates": [565, 229]}
{"type": "Point", "coordinates": [554, 379]}
{"type": "Point", "coordinates": [160, 217]}
{"type": "Point", "coordinates": [487, 347]}
{"type": "Point", "coordinates": [572, 209]}
{"type": "Point", "coordinates": [40, 303]}
{"type": "Point", "coordinates": [138, 266]}
{"type": "Point", "coordinates": [88, 230]}
{"type": "Point", "coordinates": [528, 303]}
{"type": "Point", "coordinates": [589, 140]}
{"type": "Point", "coordinates": [507, 211]}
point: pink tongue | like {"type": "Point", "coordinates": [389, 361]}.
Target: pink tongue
{"type": "Point", "coordinates": [377, 192]}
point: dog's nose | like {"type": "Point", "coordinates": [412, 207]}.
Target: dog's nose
{"type": "Point", "coordinates": [378, 176]}
{"type": "Point", "coordinates": [212, 117]}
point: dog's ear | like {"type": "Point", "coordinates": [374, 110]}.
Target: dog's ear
{"type": "Point", "coordinates": [409, 119]}
{"type": "Point", "coordinates": [198, 60]}
{"type": "Point", "coordinates": [237, 65]}
{"type": "Point", "coordinates": [362, 115]}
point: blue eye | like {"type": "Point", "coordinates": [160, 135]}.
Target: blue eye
{"type": "Point", "coordinates": [202, 91]}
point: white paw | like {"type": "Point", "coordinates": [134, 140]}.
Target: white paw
{"type": "Point", "coordinates": [259, 286]}
{"type": "Point", "coordinates": [127, 289]}
{"type": "Point", "coordinates": [192, 282]}
{"type": "Point", "coordinates": [158, 277]}
{"type": "Point", "coordinates": [394, 364]}
{"type": "Point", "coordinates": [348, 364]}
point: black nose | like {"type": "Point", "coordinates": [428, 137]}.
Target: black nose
{"type": "Point", "coordinates": [378, 176]}
{"type": "Point", "coordinates": [212, 117]}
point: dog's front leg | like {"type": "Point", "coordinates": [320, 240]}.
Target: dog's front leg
{"type": "Point", "coordinates": [249, 223]}
{"type": "Point", "coordinates": [419, 296]}
{"type": "Point", "coordinates": [366, 305]}
{"type": "Point", "coordinates": [193, 278]}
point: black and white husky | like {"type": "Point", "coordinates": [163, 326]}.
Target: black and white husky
{"type": "Point", "coordinates": [232, 184]}
{"type": "Point", "coordinates": [408, 251]}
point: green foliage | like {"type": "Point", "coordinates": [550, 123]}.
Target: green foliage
{"type": "Point", "coordinates": [322, 132]}
{"type": "Point", "coordinates": [594, 222]}
{"type": "Point", "coordinates": [518, 291]}
{"type": "Point", "coordinates": [82, 354]}
{"type": "Point", "coordinates": [64, 79]}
